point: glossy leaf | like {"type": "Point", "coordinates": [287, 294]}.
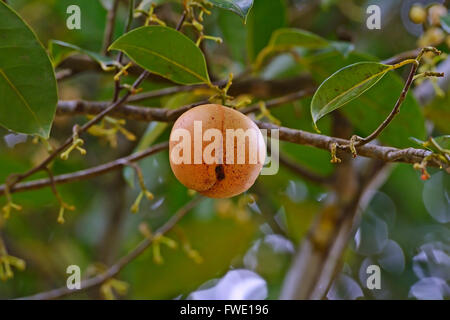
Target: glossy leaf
{"type": "Point", "coordinates": [240, 7]}
{"type": "Point", "coordinates": [166, 52]}
{"type": "Point", "coordinates": [344, 86]}
{"type": "Point", "coordinates": [28, 93]}
{"type": "Point", "coordinates": [60, 50]}
{"type": "Point", "coordinates": [368, 110]}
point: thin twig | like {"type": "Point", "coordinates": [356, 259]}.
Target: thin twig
{"type": "Point", "coordinates": [112, 271]}
{"type": "Point", "coordinates": [180, 23]}
{"type": "Point", "coordinates": [394, 111]}
{"type": "Point", "coordinates": [19, 177]}
{"type": "Point", "coordinates": [165, 92]}
{"type": "Point", "coordinates": [117, 86]}
{"type": "Point", "coordinates": [400, 100]}
{"type": "Point", "coordinates": [131, 112]}
{"type": "Point", "coordinates": [411, 54]}
{"type": "Point", "coordinates": [387, 154]}
{"type": "Point", "coordinates": [87, 173]}
{"type": "Point", "coordinates": [110, 24]}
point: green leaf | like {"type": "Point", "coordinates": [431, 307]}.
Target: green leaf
{"type": "Point", "coordinates": [265, 17]}
{"type": "Point", "coordinates": [442, 141]}
{"type": "Point", "coordinates": [286, 38]}
{"type": "Point", "coordinates": [60, 50]}
{"type": "Point", "coordinates": [344, 86]}
{"type": "Point", "coordinates": [240, 7]}
{"type": "Point", "coordinates": [28, 94]}
{"type": "Point", "coordinates": [166, 52]}
{"type": "Point", "coordinates": [370, 109]}
{"type": "Point", "coordinates": [445, 23]}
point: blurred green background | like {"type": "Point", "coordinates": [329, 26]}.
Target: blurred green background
{"type": "Point", "coordinates": [405, 228]}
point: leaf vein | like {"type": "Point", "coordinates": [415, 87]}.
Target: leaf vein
{"type": "Point", "coordinates": [21, 97]}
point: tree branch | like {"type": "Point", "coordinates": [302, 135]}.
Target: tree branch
{"type": "Point", "coordinates": [130, 112]}
{"type": "Point", "coordinates": [387, 154]}
{"type": "Point", "coordinates": [87, 173]}
{"type": "Point", "coordinates": [411, 54]}
{"type": "Point", "coordinates": [394, 111]}
{"type": "Point", "coordinates": [19, 177]}
{"type": "Point", "coordinates": [402, 97]}
{"type": "Point", "coordinates": [112, 271]}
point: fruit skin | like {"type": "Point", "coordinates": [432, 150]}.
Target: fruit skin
{"type": "Point", "coordinates": [216, 180]}
{"type": "Point", "coordinates": [418, 14]}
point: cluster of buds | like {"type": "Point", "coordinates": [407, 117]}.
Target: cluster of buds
{"type": "Point", "coordinates": [430, 18]}
{"type": "Point", "coordinates": [192, 254]}
{"type": "Point", "coordinates": [333, 150]}
{"type": "Point", "coordinates": [77, 144]}
{"type": "Point", "coordinates": [157, 240]}
{"type": "Point", "coordinates": [195, 11]}
{"type": "Point", "coordinates": [239, 211]}
{"type": "Point", "coordinates": [144, 190]}
{"type": "Point", "coordinates": [10, 205]}
{"type": "Point", "coordinates": [108, 130]}
{"type": "Point", "coordinates": [265, 113]}
{"type": "Point", "coordinates": [111, 287]}
{"type": "Point", "coordinates": [7, 262]}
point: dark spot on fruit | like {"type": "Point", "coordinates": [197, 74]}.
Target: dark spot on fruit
{"type": "Point", "coordinates": [220, 173]}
